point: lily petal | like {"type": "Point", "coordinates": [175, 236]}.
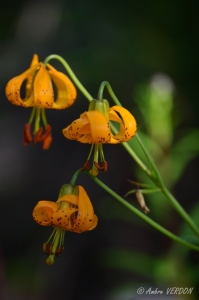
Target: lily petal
{"type": "Point", "coordinates": [94, 224]}
{"type": "Point", "coordinates": [99, 128]}
{"type": "Point", "coordinates": [62, 218]}
{"type": "Point", "coordinates": [43, 212]}
{"type": "Point", "coordinates": [66, 92]}
{"type": "Point", "coordinates": [14, 85]}
{"type": "Point", "coordinates": [86, 219]}
{"type": "Point", "coordinates": [35, 61]}
{"type": "Point", "coordinates": [72, 132]}
{"type": "Point", "coordinates": [128, 124]}
{"type": "Point", "coordinates": [43, 89]}
{"type": "Point", "coordinates": [71, 198]}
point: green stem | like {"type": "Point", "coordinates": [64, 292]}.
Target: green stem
{"type": "Point", "coordinates": [135, 157]}
{"type": "Point", "coordinates": [157, 179]}
{"type": "Point", "coordinates": [111, 93]}
{"type": "Point", "coordinates": [70, 72]}
{"type": "Point", "coordinates": [75, 176]}
{"type": "Point", "coordinates": [143, 216]}
{"type": "Point", "coordinates": [181, 210]}
{"type": "Point", "coordinates": [155, 176]}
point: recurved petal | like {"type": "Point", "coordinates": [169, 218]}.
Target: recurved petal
{"type": "Point", "coordinates": [13, 88]}
{"type": "Point", "coordinates": [43, 212]}
{"type": "Point", "coordinates": [127, 123]}
{"type": "Point", "coordinates": [85, 217]}
{"type": "Point", "coordinates": [43, 89]}
{"type": "Point", "coordinates": [94, 223]}
{"type": "Point", "coordinates": [62, 218]}
{"type": "Point", "coordinates": [71, 198]}
{"type": "Point", "coordinates": [99, 127]}
{"type": "Point", "coordinates": [66, 91]}
{"type": "Point", "coordinates": [35, 61]}
{"type": "Point", "coordinates": [72, 132]}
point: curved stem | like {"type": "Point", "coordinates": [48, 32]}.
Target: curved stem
{"type": "Point", "coordinates": [70, 72]}
{"type": "Point", "coordinates": [155, 176]}
{"type": "Point", "coordinates": [111, 93]}
{"type": "Point", "coordinates": [75, 176]}
{"type": "Point", "coordinates": [143, 216]}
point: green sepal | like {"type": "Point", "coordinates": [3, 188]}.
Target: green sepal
{"type": "Point", "coordinates": [68, 189]}
{"type": "Point", "coordinates": [101, 105]}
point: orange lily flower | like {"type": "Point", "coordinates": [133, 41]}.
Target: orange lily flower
{"type": "Point", "coordinates": [93, 127]}
{"type": "Point", "coordinates": [72, 212]}
{"type": "Point", "coordinates": [39, 94]}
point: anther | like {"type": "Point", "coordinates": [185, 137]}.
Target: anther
{"type": "Point", "coordinates": [45, 245]}
{"type": "Point", "coordinates": [102, 168]}
{"type": "Point", "coordinates": [85, 166]}
{"type": "Point", "coordinates": [59, 251]}
{"type": "Point", "coordinates": [27, 137]}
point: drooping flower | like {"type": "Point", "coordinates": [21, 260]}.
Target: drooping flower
{"type": "Point", "coordinates": [72, 212]}
{"type": "Point", "coordinates": [39, 94]}
{"type": "Point", "coordinates": [93, 127]}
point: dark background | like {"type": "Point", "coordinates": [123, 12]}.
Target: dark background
{"type": "Point", "coordinates": [124, 42]}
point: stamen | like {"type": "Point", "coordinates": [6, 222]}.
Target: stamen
{"type": "Point", "coordinates": [38, 136]}
{"type": "Point", "coordinates": [45, 245]}
{"type": "Point", "coordinates": [56, 246]}
{"type": "Point", "coordinates": [85, 166]}
{"type": "Point", "coordinates": [47, 142]}
{"type": "Point", "coordinates": [98, 166]}
{"type": "Point", "coordinates": [102, 168]}
{"type": "Point", "coordinates": [105, 166]}
{"type": "Point", "coordinates": [27, 137]}
{"type": "Point", "coordinates": [45, 137]}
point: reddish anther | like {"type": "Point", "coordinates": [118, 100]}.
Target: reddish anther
{"type": "Point", "coordinates": [103, 167]}
{"type": "Point", "coordinates": [98, 166]}
{"type": "Point", "coordinates": [45, 245]}
{"type": "Point", "coordinates": [59, 251]}
{"type": "Point", "coordinates": [86, 166]}
{"type": "Point", "coordinates": [39, 137]}
{"type": "Point", "coordinates": [27, 137]}
{"type": "Point", "coordinates": [47, 142]}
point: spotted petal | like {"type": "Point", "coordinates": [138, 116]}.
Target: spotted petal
{"type": "Point", "coordinates": [14, 86]}
{"type": "Point", "coordinates": [127, 123]}
{"type": "Point", "coordinates": [43, 89]}
{"type": "Point", "coordinates": [72, 132]}
{"type": "Point", "coordinates": [92, 127]}
{"type": "Point", "coordinates": [62, 217]}
{"type": "Point", "coordinates": [86, 219]}
{"type": "Point", "coordinates": [66, 92]}
{"type": "Point", "coordinates": [43, 212]}
{"type": "Point", "coordinates": [29, 82]}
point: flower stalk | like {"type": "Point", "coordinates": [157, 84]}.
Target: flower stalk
{"type": "Point", "coordinates": [152, 173]}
